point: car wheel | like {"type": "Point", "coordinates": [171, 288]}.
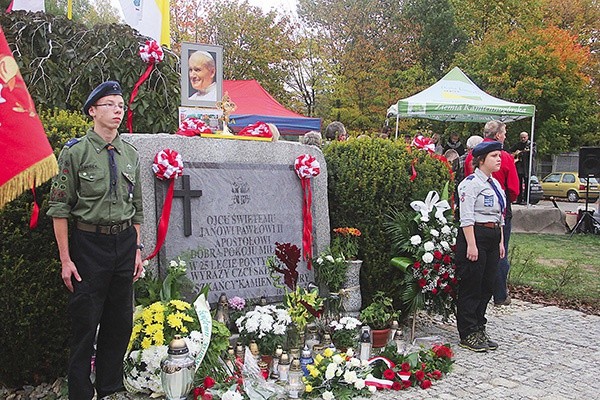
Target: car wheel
{"type": "Point", "coordinates": [572, 196]}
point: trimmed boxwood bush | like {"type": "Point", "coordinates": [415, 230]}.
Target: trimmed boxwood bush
{"type": "Point", "coordinates": [366, 179]}
{"type": "Point", "coordinates": [34, 331]}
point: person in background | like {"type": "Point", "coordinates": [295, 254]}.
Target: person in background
{"type": "Point", "coordinates": [509, 181]}
{"type": "Point", "coordinates": [99, 188]}
{"type": "Point", "coordinates": [439, 149]}
{"type": "Point", "coordinates": [460, 171]}
{"type": "Point", "coordinates": [313, 138]}
{"type": "Point", "coordinates": [521, 152]}
{"type": "Point", "coordinates": [479, 245]}
{"type": "Point", "coordinates": [454, 143]}
{"type": "Point", "coordinates": [407, 139]}
{"type": "Point", "coordinates": [202, 72]}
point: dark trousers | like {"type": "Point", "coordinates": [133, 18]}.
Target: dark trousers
{"type": "Point", "coordinates": [500, 287]}
{"type": "Point", "coordinates": [101, 302]}
{"type": "Point", "coordinates": [476, 279]}
{"type": "Point", "coordinates": [523, 182]}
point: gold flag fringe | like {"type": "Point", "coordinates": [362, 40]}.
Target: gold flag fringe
{"type": "Point", "coordinates": [39, 173]}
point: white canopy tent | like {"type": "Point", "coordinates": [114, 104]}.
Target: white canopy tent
{"type": "Point", "coordinates": [455, 98]}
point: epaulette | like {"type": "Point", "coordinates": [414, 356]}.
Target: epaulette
{"type": "Point", "coordinates": [470, 177]}
{"type": "Point", "coordinates": [72, 142]}
{"type": "Point", "coordinates": [126, 142]}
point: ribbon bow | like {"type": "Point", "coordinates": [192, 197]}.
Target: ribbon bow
{"type": "Point", "coordinates": [259, 129]}
{"type": "Point", "coordinates": [167, 165]}
{"type": "Point", "coordinates": [424, 143]}
{"type": "Point", "coordinates": [151, 53]}
{"type": "Point", "coordinates": [193, 127]}
{"type": "Point", "coordinates": [306, 166]}
{"type": "Point", "coordinates": [431, 202]}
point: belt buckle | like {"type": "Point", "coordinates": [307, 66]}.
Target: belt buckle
{"type": "Point", "coordinates": [114, 229]}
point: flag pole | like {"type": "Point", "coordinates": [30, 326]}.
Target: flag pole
{"type": "Point", "coordinates": [70, 9]}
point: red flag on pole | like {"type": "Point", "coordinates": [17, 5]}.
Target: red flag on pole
{"type": "Point", "coordinates": [26, 154]}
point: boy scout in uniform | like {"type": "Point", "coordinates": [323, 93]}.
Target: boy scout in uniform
{"type": "Point", "coordinates": [98, 187]}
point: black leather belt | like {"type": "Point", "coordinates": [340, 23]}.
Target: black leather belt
{"type": "Point", "coordinates": [104, 229]}
{"type": "Point", "coordinates": [492, 225]}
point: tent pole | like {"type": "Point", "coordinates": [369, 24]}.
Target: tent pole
{"type": "Point", "coordinates": [397, 121]}
{"type": "Point", "coordinates": [530, 156]}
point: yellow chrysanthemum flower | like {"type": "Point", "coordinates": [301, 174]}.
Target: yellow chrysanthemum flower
{"type": "Point", "coordinates": [318, 359]}
{"type": "Point", "coordinates": [328, 352]}
{"type": "Point", "coordinates": [157, 307]}
{"type": "Point", "coordinates": [180, 305]}
{"type": "Point", "coordinates": [159, 317]}
{"type": "Point", "coordinates": [308, 388]}
{"type": "Point", "coordinates": [186, 317]}
{"type": "Point", "coordinates": [153, 328]}
{"type": "Point", "coordinates": [314, 373]}
{"type": "Point", "coordinates": [158, 338]}
{"type": "Point", "coordinates": [174, 321]}
{"type": "Point", "coordinates": [147, 316]}
{"type": "Point", "coordinates": [146, 343]}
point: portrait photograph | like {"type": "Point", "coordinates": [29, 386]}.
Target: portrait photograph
{"type": "Point", "coordinates": [201, 74]}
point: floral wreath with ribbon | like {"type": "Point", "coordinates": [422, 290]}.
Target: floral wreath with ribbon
{"type": "Point", "coordinates": [307, 167]}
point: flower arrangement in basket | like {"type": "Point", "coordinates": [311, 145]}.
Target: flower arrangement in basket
{"type": "Point", "coordinates": [267, 325]}
{"type": "Point", "coordinates": [344, 332]}
{"type": "Point", "coordinates": [159, 316]}
{"type": "Point", "coordinates": [345, 242]}
{"type": "Point", "coordinates": [337, 375]}
{"type": "Point", "coordinates": [426, 242]}
{"type": "Point", "coordinates": [154, 326]}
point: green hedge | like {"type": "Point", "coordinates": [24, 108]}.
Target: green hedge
{"type": "Point", "coordinates": [34, 331]}
{"type": "Point", "coordinates": [366, 179]}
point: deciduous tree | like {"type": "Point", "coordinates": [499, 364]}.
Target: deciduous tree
{"type": "Point", "coordinates": [544, 67]}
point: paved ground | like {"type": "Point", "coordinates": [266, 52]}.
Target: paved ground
{"type": "Point", "coordinates": [545, 353]}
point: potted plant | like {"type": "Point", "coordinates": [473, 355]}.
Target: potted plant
{"type": "Point", "coordinates": [344, 332]}
{"type": "Point", "coordinates": [378, 315]}
{"type": "Point", "coordinates": [266, 325]}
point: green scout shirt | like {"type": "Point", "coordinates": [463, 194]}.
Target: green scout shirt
{"type": "Point", "coordinates": [82, 187]}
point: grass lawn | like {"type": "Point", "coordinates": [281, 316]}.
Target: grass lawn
{"type": "Point", "coordinates": [557, 264]}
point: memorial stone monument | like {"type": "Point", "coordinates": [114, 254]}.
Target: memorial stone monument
{"type": "Point", "coordinates": [235, 200]}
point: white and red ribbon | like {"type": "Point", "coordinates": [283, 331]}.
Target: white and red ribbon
{"type": "Point", "coordinates": [167, 165]}
{"type": "Point", "coordinates": [258, 129]}
{"type": "Point", "coordinates": [424, 143]}
{"type": "Point", "coordinates": [193, 127]}
{"type": "Point", "coordinates": [306, 167]}
{"type": "Point", "coordinates": [151, 53]}
{"type": "Point", "coordinates": [385, 383]}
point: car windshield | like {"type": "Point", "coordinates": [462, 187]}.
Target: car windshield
{"type": "Point", "coordinates": [592, 180]}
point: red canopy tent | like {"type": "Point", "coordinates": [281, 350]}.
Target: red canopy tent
{"type": "Point", "coordinates": [254, 104]}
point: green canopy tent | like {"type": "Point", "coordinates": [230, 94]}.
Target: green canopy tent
{"type": "Point", "coordinates": [455, 98]}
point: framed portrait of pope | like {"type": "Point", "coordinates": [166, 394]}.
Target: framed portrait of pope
{"type": "Point", "coordinates": [201, 74]}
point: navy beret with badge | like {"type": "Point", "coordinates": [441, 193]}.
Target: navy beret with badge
{"type": "Point", "coordinates": [486, 147]}
{"type": "Point", "coordinates": [104, 89]}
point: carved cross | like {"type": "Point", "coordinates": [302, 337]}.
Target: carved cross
{"type": "Point", "coordinates": [186, 193]}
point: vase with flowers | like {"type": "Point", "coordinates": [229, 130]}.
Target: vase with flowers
{"type": "Point", "coordinates": [345, 242]}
